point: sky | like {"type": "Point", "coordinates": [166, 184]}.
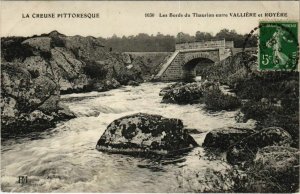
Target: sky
{"type": "Point", "coordinates": [128, 18]}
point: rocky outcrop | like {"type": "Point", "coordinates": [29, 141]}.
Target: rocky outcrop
{"type": "Point", "coordinates": [187, 93]}
{"type": "Point", "coordinates": [170, 87]}
{"type": "Point", "coordinates": [145, 133]}
{"type": "Point", "coordinates": [39, 44]}
{"type": "Point", "coordinates": [224, 137]}
{"type": "Point", "coordinates": [214, 96]}
{"type": "Point", "coordinates": [245, 149]}
{"type": "Point", "coordinates": [149, 62]}
{"type": "Point", "coordinates": [106, 85]}
{"type": "Point", "coordinates": [36, 70]}
{"type": "Point", "coordinates": [85, 48]}
{"type": "Point", "coordinates": [232, 69]}
{"type": "Point", "coordinates": [30, 98]}
{"type": "Point", "coordinates": [80, 63]}
{"type": "Point", "coordinates": [69, 69]}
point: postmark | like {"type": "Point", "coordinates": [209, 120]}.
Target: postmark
{"type": "Point", "coordinates": [278, 47]}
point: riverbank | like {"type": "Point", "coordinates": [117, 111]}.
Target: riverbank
{"type": "Point", "coordinates": [37, 70]}
{"type": "Point", "coordinates": [269, 98]}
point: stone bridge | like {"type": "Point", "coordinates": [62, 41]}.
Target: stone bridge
{"type": "Point", "coordinates": [188, 57]}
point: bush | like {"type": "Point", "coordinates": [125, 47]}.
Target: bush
{"type": "Point", "coordinates": [57, 41]}
{"type": "Point", "coordinates": [124, 74]}
{"type": "Point", "coordinates": [259, 110]}
{"type": "Point", "coordinates": [216, 100]}
{"type": "Point", "coordinates": [275, 170]}
{"type": "Point", "coordinates": [268, 114]}
{"type": "Point", "coordinates": [12, 48]}
{"type": "Point", "coordinates": [270, 85]}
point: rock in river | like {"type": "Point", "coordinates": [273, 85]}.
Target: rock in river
{"type": "Point", "coordinates": [142, 133]}
{"type": "Point", "coordinates": [170, 87]}
{"type": "Point", "coordinates": [185, 94]}
{"type": "Point", "coordinates": [224, 137]}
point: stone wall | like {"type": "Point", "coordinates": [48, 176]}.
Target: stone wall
{"type": "Point", "coordinates": [175, 70]}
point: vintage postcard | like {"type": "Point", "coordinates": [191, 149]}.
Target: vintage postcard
{"type": "Point", "coordinates": [150, 96]}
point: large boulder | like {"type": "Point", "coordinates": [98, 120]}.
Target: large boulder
{"type": "Point", "coordinates": [186, 94]}
{"type": "Point", "coordinates": [222, 138]}
{"type": "Point", "coordinates": [105, 85]}
{"type": "Point", "coordinates": [245, 150]}
{"type": "Point", "coordinates": [144, 133]}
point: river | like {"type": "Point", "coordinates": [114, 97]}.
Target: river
{"type": "Point", "coordinates": [64, 159]}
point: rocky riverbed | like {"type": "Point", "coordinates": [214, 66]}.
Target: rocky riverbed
{"type": "Point", "coordinates": [64, 158]}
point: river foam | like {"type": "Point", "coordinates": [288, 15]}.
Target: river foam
{"type": "Point", "coordinates": [64, 159]}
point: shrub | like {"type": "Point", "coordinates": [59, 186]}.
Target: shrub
{"type": "Point", "coordinates": [12, 48]}
{"type": "Point", "coordinates": [215, 99]}
{"type": "Point", "coordinates": [269, 85]}
{"type": "Point", "coordinates": [267, 114]}
{"type": "Point", "coordinates": [275, 169]}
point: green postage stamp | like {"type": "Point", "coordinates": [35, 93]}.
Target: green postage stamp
{"type": "Point", "coordinates": [278, 45]}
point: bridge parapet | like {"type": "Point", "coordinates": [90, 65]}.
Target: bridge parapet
{"type": "Point", "coordinates": [205, 44]}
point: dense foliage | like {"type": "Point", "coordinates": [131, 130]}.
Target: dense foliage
{"type": "Point", "coordinates": [12, 48]}
{"type": "Point", "coordinates": [272, 96]}
{"type": "Point", "coordinates": [216, 100]}
{"type": "Point", "coordinates": [166, 43]}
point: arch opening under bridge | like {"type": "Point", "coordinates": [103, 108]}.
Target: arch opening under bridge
{"type": "Point", "coordinates": [194, 68]}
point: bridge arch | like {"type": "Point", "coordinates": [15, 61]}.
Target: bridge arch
{"type": "Point", "coordinates": [185, 62]}
{"type": "Point", "coordinates": [213, 56]}
{"type": "Point", "coordinates": [192, 68]}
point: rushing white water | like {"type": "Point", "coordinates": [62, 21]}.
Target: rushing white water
{"type": "Point", "coordinates": [64, 159]}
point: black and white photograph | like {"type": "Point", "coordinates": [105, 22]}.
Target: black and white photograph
{"type": "Point", "coordinates": [149, 96]}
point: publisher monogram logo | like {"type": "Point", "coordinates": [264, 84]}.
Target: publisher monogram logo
{"type": "Point", "coordinates": [22, 179]}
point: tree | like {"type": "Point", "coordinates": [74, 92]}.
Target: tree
{"type": "Point", "coordinates": [183, 38]}
{"type": "Point", "coordinates": [203, 36]}
{"type": "Point", "coordinates": [166, 43]}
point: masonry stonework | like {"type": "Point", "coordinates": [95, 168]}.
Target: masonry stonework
{"type": "Point", "coordinates": [176, 71]}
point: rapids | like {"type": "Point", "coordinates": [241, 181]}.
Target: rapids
{"type": "Point", "coordinates": [64, 159]}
